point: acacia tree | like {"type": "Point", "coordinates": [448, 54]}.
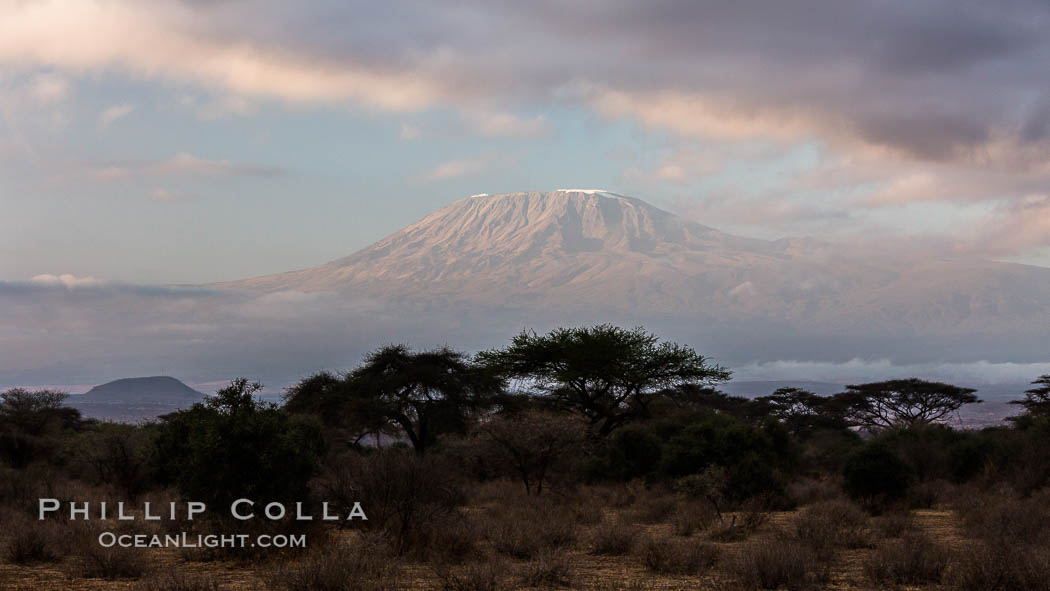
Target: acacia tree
{"type": "Point", "coordinates": [1036, 401]}
{"type": "Point", "coordinates": [30, 423]}
{"type": "Point", "coordinates": [605, 373]}
{"type": "Point", "coordinates": [532, 444]}
{"type": "Point", "coordinates": [901, 403]}
{"type": "Point", "coordinates": [348, 419]}
{"type": "Point", "coordinates": [424, 393]}
{"type": "Point", "coordinates": [801, 411]}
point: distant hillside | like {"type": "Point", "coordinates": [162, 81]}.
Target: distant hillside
{"type": "Point", "coordinates": [162, 390]}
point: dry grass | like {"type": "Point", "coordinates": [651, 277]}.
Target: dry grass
{"type": "Point", "coordinates": [335, 568]}
{"type": "Point", "coordinates": [691, 516]}
{"type": "Point", "coordinates": [178, 580]}
{"type": "Point", "coordinates": [489, 575]}
{"type": "Point", "coordinates": [615, 539]}
{"type": "Point", "coordinates": [678, 557]}
{"type": "Point", "coordinates": [769, 564]}
{"type": "Point", "coordinates": [548, 570]}
{"type": "Point", "coordinates": [830, 525]}
{"type": "Point", "coordinates": [983, 567]}
{"type": "Point", "coordinates": [915, 559]}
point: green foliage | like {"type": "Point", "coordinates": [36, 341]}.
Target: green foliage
{"type": "Point", "coordinates": [875, 475]}
{"type": "Point", "coordinates": [901, 403]}
{"type": "Point", "coordinates": [1036, 401]}
{"type": "Point", "coordinates": [233, 446]}
{"type": "Point", "coordinates": [420, 395]}
{"type": "Point", "coordinates": [116, 454]}
{"type": "Point", "coordinates": [605, 373]}
{"type": "Point", "coordinates": [32, 423]}
{"type": "Point", "coordinates": [800, 411]}
{"type": "Point", "coordinates": [632, 452]}
{"type": "Point", "coordinates": [749, 454]}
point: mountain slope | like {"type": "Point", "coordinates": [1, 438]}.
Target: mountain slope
{"type": "Point", "coordinates": [594, 250]}
{"type": "Point", "coordinates": [150, 390]}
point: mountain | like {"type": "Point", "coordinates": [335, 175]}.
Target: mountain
{"type": "Point", "coordinates": [592, 251]}
{"type": "Point", "coordinates": [158, 390]}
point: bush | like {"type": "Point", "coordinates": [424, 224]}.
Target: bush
{"type": "Point", "coordinates": [97, 562]}
{"type": "Point", "coordinates": [343, 568]}
{"type": "Point", "coordinates": [895, 525]}
{"type": "Point", "coordinates": [829, 525]}
{"type": "Point", "coordinates": [178, 580]}
{"type": "Point", "coordinates": [529, 528]}
{"type": "Point", "coordinates": [631, 452]}
{"type": "Point", "coordinates": [653, 508]}
{"type": "Point", "coordinates": [678, 557]}
{"type": "Point", "coordinates": [915, 559]}
{"type": "Point", "coordinates": [768, 564]}
{"type": "Point", "coordinates": [549, 569]}
{"type": "Point", "coordinates": [32, 542]}
{"type": "Point", "coordinates": [489, 575]}
{"type": "Point", "coordinates": [233, 446]}
{"type": "Point", "coordinates": [690, 517]}
{"type": "Point", "coordinates": [747, 454]}
{"type": "Point", "coordinates": [984, 567]}
{"type": "Point", "coordinates": [875, 476]}
{"type": "Point", "coordinates": [615, 539]}
{"type": "Point", "coordinates": [408, 497]}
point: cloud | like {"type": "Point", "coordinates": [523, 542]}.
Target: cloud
{"type": "Point", "coordinates": [410, 132]}
{"type": "Point", "coordinates": [165, 40]}
{"type": "Point", "coordinates": [456, 169]}
{"type": "Point", "coordinates": [49, 88]}
{"type": "Point", "coordinates": [1015, 227]}
{"type": "Point", "coordinates": [507, 125]}
{"type": "Point", "coordinates": [182, 165]}
{"type": "Point", "coordinates": [66, 280]}
{"type": "Point", "coordinates": [111, 114]}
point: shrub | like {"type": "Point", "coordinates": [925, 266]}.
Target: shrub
{"type": "Point", "coordinates": [408, 497]}
{"type": "Point", "coordinates": [178, 580]}
{"type": "Point", "coordinates": [829, 525]}
{"type": "Point", "coordinates": [690, 517]}
{"type": "Point", "coordinates": [31, 542]}
{"type": "Point", "coordinates": [808, 491]}
{"type": "Point", "coordinates": [1005, 521]}
{"type": "Point", "coordinates": [97, 562]}
{"type": "Point", "coordinates": [344, 568]}
{"type": "Point", "coordinates": [479, 576]}
{"type": "Point", "coordinates": [987, 567]}
{"type": "Point", "coordinates": [548, 569]}
{"type": "Point", "coordinates": [678, 557]}
{"type": "Point", "coordinates": [652, 509]}
{"type": "Point", "coordinates": [615, 539]}
{"type": "Point", "coordinates": [234, 446]}
{"type": "Point", "coordinates": [875, 476]}
{"type": "Point", "coordinates": [525, 530]}
{"type": "Point", "coordinates": [895, 525]}
{"type": "Point", "coordinates": [747, 453]}
{"type": "Point", "coordinates": [915, 559]}
{"type": "Point", "coordinates": [631, 452]}
{"type": "Point", "coordinates": [768, 564]}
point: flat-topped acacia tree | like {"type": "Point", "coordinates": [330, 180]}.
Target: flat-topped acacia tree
{"type": "Point", "coordinates": [605, 373]}
{"type": "Point", "coordinates": [1036, 401]}
{"type": "Point", "coordinates": [909, 402]}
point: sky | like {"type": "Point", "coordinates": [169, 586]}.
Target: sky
{"type": "Point", "coordinates": [186, 142]}
{"type": "Point", "coordinates": [174, 142]}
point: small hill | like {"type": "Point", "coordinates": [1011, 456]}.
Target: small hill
{"type": "Point", "coordinates": [159, 390]}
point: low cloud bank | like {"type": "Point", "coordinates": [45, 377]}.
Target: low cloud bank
{"type": "Point", "coordinates": [67, 330]}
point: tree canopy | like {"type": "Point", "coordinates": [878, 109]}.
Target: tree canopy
{"type": "Point", "coordinates": [418, 394]}
{"type": "Point", "coordinates": [902, 403]}
{"type": "Point", "coordinates": [1036, 401]}
{"type": "Point", "coordinates": [605, 373]}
